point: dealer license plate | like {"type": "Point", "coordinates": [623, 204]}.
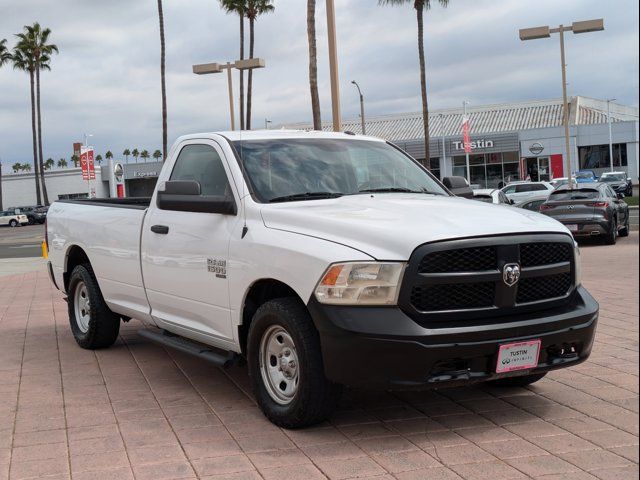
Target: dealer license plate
{"type": "Point", "coordinates": [572, 227]}
{"type": "Point", "coordinates": [518, 356]}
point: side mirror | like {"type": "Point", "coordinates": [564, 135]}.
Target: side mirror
{"type": "Point", "coordinates": [458, 186]}
{"type": "Point", "coordinates": [512, 201]}
{"type": "Point", "coordinates": [620, 196]}
{"type": "Point", "coordinates": [184, 196]}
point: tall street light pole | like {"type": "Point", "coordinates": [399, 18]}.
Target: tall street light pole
{"type": "Point", "coordinates": [545, 32]}
{"type": "Point", "coordinates": [466, 150]}
{"type": "Point", "coordinates": [609, 100]}
{"type": "Point", "coordinates": [364, 128]}
{"type": "Point", "coordinates": [248, 64]}
{"type": "Point", "coordinates": [333, 65]}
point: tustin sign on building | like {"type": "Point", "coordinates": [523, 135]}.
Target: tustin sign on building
{"type": "Point", "coordinates": [457, 145]}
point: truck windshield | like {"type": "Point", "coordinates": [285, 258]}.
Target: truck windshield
{"type": "Point", "coordinates": [282, 170]}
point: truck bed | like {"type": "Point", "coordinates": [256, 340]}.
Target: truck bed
{"type": "Point", "coordinates": [139, 203]}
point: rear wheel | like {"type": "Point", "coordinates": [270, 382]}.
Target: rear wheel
{"type": "Point", "coordinates": [624, 232]}
{"type": "Point", "coordinates": [92, 323]}
{"type": "Point", "coordinates": [13, 223]}
{"type": "Point", "coordinates": [517, 381]}
{"type": "Point", "coordinates": [285, 366]}
{"type": "Point", "coordinates": [612, 234]}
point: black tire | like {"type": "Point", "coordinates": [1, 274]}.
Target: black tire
{"type": "Point", "coordinates": [103, 325]}
{"type": "Point", "coordinates": [612, 234]}
{"type": "Point", "coordinates": [522, 381]}
{"type": "Point", "coordinates": [315, 397]}
{"type": "Point", "coordinates": [13, 223]}
{"type": "Point", "coordinates": [624, 232]}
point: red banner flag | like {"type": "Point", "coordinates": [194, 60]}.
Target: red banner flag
{"type": "Point", "coordinates": [466, 137]}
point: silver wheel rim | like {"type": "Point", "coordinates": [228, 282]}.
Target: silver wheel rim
{"type": "Point", "coordinates": [279, 364]}
{"type": "Point", "coordinates": [82, 307]}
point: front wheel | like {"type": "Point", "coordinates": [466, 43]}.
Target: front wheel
{"type": "Point", "coordinates": [285, 366]}
{"type": "Point", "coordinates": [92, 323]}
{"type": "Point", "coordinates": [517, 381]}
{"type": "Point", "coordinates": [13, 223]}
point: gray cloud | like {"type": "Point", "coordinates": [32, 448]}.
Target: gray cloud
{"type": "Point", "coordinates": [106, 79]}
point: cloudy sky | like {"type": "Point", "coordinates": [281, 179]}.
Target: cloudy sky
{"type": "Point", "coordinates": [106, 82]}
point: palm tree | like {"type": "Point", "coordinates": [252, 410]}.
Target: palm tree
{"type": "Point", "coordinates": [62, 163]}
{"type": "Point", "coordinates": [144, 154]}
{"type": "Point", "coordinates": [254, 9]}
{"type": "Point", "coordinates": [75, 159]}
{"type": "Point", "coordinates": [157, 154]}
{"type": "Point", "coordinates": [420, 6]}
{"type": "Point", "coordinates": [99, 159]}
{"type": "Point", "coordinates": [5, 57]}
{"type": "Point", "coordinates": [135, 153]}
{"type": "Point", "coordinates": [16, 167]}
{"type": "Point", "coordinates": [25, 167]}
{"type": "Point", "coordinates": [34, 40]}
{"type": "Point", "coordinates": [126, 154]}
{"type": "Point", "coordinates": [108, 155]}
{"type": "Point", "coordinates": [313, 64]}
{"type": "Point", "coordinates": [238, 7]}
{"type": "Point", "coordinates": [22, 60]}
{"type": "Point", "coordinates": [162, 79]}
{"type": "Point", "coordinates": [48, 165]}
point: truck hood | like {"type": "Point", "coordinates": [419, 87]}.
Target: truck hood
{"type": "Point", "coordinates": [390, 226]}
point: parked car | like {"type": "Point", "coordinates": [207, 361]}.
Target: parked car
{"type": "Point", "coordinates": [532, 204]}
{"type": "Point", "coordinates": [35, 214]}
{"type": "Point", "coordinates": [11, 219]}
{"type": "Point", "coordinates": [491, 195]}
{"type": "Point", "coordinates": [593, 209]}
{"type": "Point", "coordinates": [323, 259]}
{"type": "Point", "coordinates": [619, 182]}
{"type": "Point", "coordinates": [586, 176]}
{"type": "Point", "coordinates": [520, 191]}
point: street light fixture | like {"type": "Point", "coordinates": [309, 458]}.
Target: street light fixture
{"type": "Point", "coordinates": [545, 32]}
{"type": "Point", "coordinates": [267, 122]}
{"type": "Point", "coordinates": [248, 64]}
{"type": "Point", "coordinates": [364, 129]}
{"type": "Point", "coordinates": [86, 136]}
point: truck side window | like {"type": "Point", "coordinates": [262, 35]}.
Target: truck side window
{"type": "Point", "coordinates": [203, 164]}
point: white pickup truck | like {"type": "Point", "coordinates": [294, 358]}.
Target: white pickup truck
{"type": "Point", "coordinates": [324, 259]}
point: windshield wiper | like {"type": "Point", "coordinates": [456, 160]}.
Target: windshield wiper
{"type": "Point", "coordinates": [305, 196]}
{"type": "Point", "coordinates": [396, 190]}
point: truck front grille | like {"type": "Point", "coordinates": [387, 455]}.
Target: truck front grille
{"type": "Point", "coordinates": [543, 288]}
{"type": "Point", "coordinates": [463, 279]}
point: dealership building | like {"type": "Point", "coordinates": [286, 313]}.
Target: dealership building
{"type": "Point", "coordinates": [514, 141]}
{"type": "Point", "coordinates": [509, 142]}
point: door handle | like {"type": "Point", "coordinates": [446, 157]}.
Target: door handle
{"type": "Point", "coordinates": [161, 229]}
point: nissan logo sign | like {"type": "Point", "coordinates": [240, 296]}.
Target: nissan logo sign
{"type": "Point", "coordinates": [536, 148]}
{"type": "Point", "coordinates": [118, 172]}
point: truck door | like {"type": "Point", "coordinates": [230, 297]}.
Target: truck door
{"type": "Point", "coordinates": [184, 257]}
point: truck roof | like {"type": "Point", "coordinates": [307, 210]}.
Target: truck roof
{"type": "Point", "coordinates": [237, 135]}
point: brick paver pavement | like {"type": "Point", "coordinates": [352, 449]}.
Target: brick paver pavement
{"type": "Point", "coordinates": [139, 411]}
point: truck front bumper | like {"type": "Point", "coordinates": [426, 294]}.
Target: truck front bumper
{"type": "Point", "coordinates": [383, 347]}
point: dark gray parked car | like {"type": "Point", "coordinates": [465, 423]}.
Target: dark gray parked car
{"type": "Point", "coordinates": [591, 209]}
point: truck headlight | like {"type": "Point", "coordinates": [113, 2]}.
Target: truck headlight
{"type": "Point", "coordinates": [577, 263]}
{"type": "Point", "coordinates": [369, 283]}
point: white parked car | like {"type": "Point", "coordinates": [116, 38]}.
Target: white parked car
{"type": "Point", "coordinates": [520, 191]}
{"type": "Point", "coordinates": [491, 195]}
{"type": "Point", "coordinates": [323, 259]}
{"type": "Point", "coordinates": [13, 220]}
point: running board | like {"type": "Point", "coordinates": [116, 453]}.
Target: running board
{"type": "Point", "coordinates": [189, 346]}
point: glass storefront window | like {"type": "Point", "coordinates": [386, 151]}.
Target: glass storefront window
{"type": "Point", "coordinates": [434, 166]}
{"type": "Point", "coordinates": [597, 156]}
{"type": "Point", "coordinates": [491, 170]}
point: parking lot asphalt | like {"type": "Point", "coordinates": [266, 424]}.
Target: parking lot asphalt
{"type": "Point", "coordinates": [139, 411]}
{"type": "Point", "coordinates": [21, 242]}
